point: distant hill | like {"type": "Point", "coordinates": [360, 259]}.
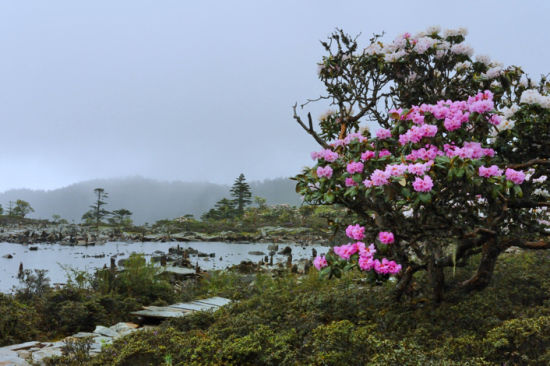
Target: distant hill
{"type": "Point", "coordinates": [148, 199]}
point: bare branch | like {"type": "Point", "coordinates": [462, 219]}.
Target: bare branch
{"type": "Point", "coordinates": [309, 129]}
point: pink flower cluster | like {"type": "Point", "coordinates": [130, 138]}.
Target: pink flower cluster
{"type": "Point", "coordinates": [367, 155]}
{"type": "Point", "coordinates": [386, 237]}
{"type": "Point", "coordinates": [453, 114]}
{"type": "Point", "coordinates": [423, 184]}
{"type": "Point", "coordinates": [350, 182]}
{"type": "Point", "coordinates": [516, 176]}
{"type": "Point", "coordinates": [420, 168]}
{"type": "Point", "coordinates": [320, 262]}
{"type": "Point", "coordinates": [430, 152]}
{"type": "Point", "coordinates": [395, 170]}
{"type": "Point", "coordinates": [326, 154]}
{"type": "Point", "coordinates": [470, 150]}
{"type": "Point", "coordinates": [383, 133]}
{"type": "Point", "coordinates": [324, 171]}
{"type": "Point", "coordinates": [356, 232]}
{"type": "Point", "coordinates": [415, 134]}
{"type": "Point", "coordinates": [354, 167]}
{"type": "Point", "coordinates": [492, 171]}
{"type": "Point", "coordinates": [348, 139]}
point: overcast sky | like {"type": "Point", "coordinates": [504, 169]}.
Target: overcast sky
{"type": "Point", "coordinates": [198, 90]}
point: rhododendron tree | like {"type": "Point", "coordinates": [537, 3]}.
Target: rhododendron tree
{"type": "Point", "coordinates": [457, 167]}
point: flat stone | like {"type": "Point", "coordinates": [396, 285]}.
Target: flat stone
{"type": "Point", "coordinates": [11, 358]}
{"type": "Point", "coordinates": [83, 335]}
{"type": "Point", "coordinates": [104, 331]}
{"type": "Point", "coordinates": [193, 306]}
{"type": "Point", "coordinates": [160, 312]}
{"type": "Point", "coordinates": [46, 352]}
{"type": "Point", "coordinates": [218, 301]}
{"type": "Point", "coordinates": [26, 345]}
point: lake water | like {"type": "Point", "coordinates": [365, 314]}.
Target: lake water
{"type": "Point", "coordinates": [54, 257]}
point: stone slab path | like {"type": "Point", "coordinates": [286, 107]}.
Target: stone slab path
{"type": "Point", "coordinates": [34, 352]}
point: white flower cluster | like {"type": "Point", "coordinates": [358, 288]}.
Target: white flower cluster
{"type": "Point", "coordinates": [532, 96]}
{"type": "Point", "coordinates": [484, 59]}
{"type": "Point", "coordinates": [463, 65]}
{"type": "Point", "coordinates": [508, 112]}
{"type": "Point", "coordinates": [492, 73]}
{"type": "Point", "coordinates": [423, 44]}
{"type": "Point", "coordinates": [541, 192]}
{"type": "Point", "coordinates": [455, 32]}
{"type": "Point", "coordinates": [462, 49]}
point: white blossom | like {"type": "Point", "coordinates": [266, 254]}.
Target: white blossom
{"type": "Point", "coordinates": [462, 49]}
{"type": "Point", "coordinates": [434, 29]}
{"type": "Point", "coordinates": [532, 96]}
{"type": "Point", "coordinates": [484, 59]}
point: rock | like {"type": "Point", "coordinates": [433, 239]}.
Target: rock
{"type": "Point", "coordinates": [104, 331]}
{"type": "Point", "coordinates": [256, 252]}
{"type": "Point", "coordinates": [33, 248]}
{"type": "Point", "coordinates": [83, 335]}
{"type": "Point", "coordinates": [46, 352]}
{"type": "Point", "coordinates": [11, 358]}
{"type": "Point", "coordinates": [123, 329]}
{"type": "Point", "coordinates": [7, 256]}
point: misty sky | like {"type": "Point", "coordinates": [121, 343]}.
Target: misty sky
{"type": "Point", "coordinates": [198, 90]}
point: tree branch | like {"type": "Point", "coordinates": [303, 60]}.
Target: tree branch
{"type": "Point", "coordinates": [309, 129]}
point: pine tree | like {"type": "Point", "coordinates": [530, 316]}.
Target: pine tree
{"type": "Point", "coordinates": [241, 194]}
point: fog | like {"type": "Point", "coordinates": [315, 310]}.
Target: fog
{"type": "Point", "coordinates": [197, 91]}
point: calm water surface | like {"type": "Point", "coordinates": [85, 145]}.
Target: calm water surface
{"type": "Point", "coordinates": [55, 257]}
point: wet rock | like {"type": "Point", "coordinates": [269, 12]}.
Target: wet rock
{"type": "Point", "coordinates": [33, 248]}
{"type": "Point", "coordinates": [7, 256]}
{"type": "Point", "coordinates": [256, 252]}
{"type": "Point", "coordinates": [104, 331]}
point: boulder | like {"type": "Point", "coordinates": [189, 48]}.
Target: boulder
{"type": "Point", "coordinates": [104, 331]}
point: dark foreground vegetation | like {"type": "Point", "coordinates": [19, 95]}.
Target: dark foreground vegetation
{"type": "Point", "coordinates": [291, 320]}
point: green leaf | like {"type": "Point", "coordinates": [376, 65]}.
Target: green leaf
{"type": "Point", "coordinates": [329, 197]}
{"type": "Point", "coordinates": [425, 197]}
{"type": "Point", "coordinates": [517, 190]}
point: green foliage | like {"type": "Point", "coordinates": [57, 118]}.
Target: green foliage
{"type": "Point", "coordinates": [18, 321]}
{"type": "Point", "coordinates": [241, 194]}
{"type": "Point", "coordinates": [307, 321]}
{"type": "Point", "coordinates": [22, 208]}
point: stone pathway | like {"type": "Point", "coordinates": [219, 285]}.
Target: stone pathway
{"type": "Point", "coordinates": [34, 352]}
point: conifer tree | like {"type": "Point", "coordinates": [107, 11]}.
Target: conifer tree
{"type": "Point", "coordinates": [241, 194]}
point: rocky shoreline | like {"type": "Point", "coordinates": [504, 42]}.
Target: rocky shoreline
{"type": "Point", "coordinates": [82, 235]}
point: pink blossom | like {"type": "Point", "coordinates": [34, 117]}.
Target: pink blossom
{"type": "Point", "coordinates": [395, 170]}
{"type": "Point", "coordinates": [366, 251]}
{"type": "Point", "coordinates": [423, 185]}
{"type": "Point", "coordinates": [367, 183]}
{"type": "Point", "coordinates": [366, 263]}
{"type": "Point", "coordinates": [320, 262]}
{"type": "Point", "coordinates": [379, 177]}
{"type": "Point", "coordinates": [383, 153]}
{"type": "Point", "coordinates": [492, 171]}
{"type": "Point", "coordinates": [516, 176]}
{"type": "Point", "coordinates": [386, 267]}
{"type": "Point", "coordinates": [324, 172]}
{"type": "Point", "coordinates": [367, 155]}
{"type": "Point", "coordinates": [350, 182]}
{"type": "Point", "coordinates": [383, 133]}
{"type": "Point", "coordinates": [495, 120]}
{"type": "Point", "coordinates": [345, 251]}
{"type": "Point", "coordinates": [326, 154]}
{"type": "Point", "coordinates": [386, 237]}
{"type": "Point", "coordinates": [354, 167]}
{"type": "Point", "coordinates": [420, 168]}
{"type": "Point", "coordinates": [356, 232]}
